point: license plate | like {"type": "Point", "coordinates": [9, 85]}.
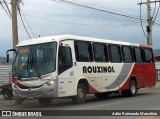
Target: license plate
{"type": "Point", "coordinates": [30, 97]}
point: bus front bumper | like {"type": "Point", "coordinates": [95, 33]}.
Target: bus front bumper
{"type": "Point", "coordinates": [33, 93]}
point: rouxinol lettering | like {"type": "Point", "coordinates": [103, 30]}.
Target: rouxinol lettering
{"type": "Point", "coordinates": [98, 69]}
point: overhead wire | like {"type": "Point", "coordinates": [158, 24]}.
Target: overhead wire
{"type": "Point", "coordinates": [103, 15]}
{"type": "Point", "coordinates": [104, 12]}
{"type": "Point", "coordinates": [96, 25]}
{"type": "Point", "coordinates": [142, 22]}
{"type": "Point", "coordinates": [18, 8]}
{"type": "Point", "coordinates": [154, 10]}
{"type": "Point", "coordinates": [6, 11]}
{"type": "Point", "coordinates": [74, 23]}
{"type": "Point", "coordinates": [23, 23]}
{"type": "Point", "coordinates": [154, 19]}
{"type": "Point", "coordinates": [98, 9]}
{"type": "Point", "coordinates": [110, 14]}
{"type": "Point", "coordinates": [7, 7]}
{"type": "Point", "coordinates": [29, 26]}
{"type": "Point", "coordinates": [104, 6]}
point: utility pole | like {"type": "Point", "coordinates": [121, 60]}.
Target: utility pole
{"type": "Point", "coordinates": [14, 23]}
{"type": "Point", "coordinates": [149, 27]}
{"type": "Point", "coordinates": [149, 20]}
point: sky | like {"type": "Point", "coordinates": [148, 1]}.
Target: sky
{"type": "Point", "coordinates": [50, 17]}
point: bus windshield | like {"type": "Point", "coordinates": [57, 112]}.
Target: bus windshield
{"type": "Point", "coordinates": [35, 60]}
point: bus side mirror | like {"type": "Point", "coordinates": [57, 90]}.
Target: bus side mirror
{"type": "Point", "coordinates": [7, 59]}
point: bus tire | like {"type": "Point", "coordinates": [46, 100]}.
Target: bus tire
{"type": "Point", "coordinates": [81, 95]}
{"type": "Point", "coordinates": [132, 89]}
{"type": "Point", "coordinates": [6, 94]}
{"type": "Point", "coordinates": [45, 101]}
{"type": "Point", "coordinates": [101, 95]}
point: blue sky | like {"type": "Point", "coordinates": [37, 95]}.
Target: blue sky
{"type": "Point", "coordinates": [48, 17]}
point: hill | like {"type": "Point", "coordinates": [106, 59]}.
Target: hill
{"type": "Point", "coordinates": [157, 52]}
{"type": "Point", "coordinates": [3, 60]}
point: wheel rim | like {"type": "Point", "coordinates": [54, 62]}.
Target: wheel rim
{"type": "Point", "coordinates": [133, 88]}
{"type": "Point", "coordinates": [80, 93]}
{"type": "Point", "coordinates": [6, 95]}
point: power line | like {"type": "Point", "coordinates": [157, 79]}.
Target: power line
{"type": "Point", "coordinates": [74, 23]}
{"type": "Point", "coordinates": [28, 25]}
{"type": "Point", "coordinates": [150, 21]}
{"type": "Point", "coordinates": [20, 16]}
{"type": "Point", "coordinates": [156, 13]}
{"type": "Point", "coordinates": [154, 10]}
{"type": "Point", "coordinates": [97, 9]}
{"type": "Point", "coordinates": [142, 22]}
{"type": "Point", "coordinates": [104, 6]}
{"type": "Point", "coordinates": [23, 23]}
{"type": "Point", "coordinates": [106, 15]}
{"type": "Point", "coordinates": [7, 7]}
{"type": "Point", "coordinates": [6, 11]}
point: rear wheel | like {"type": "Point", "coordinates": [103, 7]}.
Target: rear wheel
{"type": "Point", "coordinates": [132, 89]}
{"type": "Point", "coordinates": [81, 94]}
{"type": "Point", "coordinates": [45, 101]}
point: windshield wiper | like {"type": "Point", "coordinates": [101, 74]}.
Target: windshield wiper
{"type": "Point", "coordinates": [37, 71]}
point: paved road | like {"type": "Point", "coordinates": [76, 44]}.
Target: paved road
{"type": "Point", "coordinates": [146, 99]}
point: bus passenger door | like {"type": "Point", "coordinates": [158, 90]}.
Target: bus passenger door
{"type": "Point", "coordinates": [65, 72]}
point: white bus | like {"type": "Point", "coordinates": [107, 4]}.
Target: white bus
{"type": "Point", "coordinates": [73, 66]}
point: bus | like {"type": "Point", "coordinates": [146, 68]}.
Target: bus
{"type": "Point", "coordinates": [74, 66]}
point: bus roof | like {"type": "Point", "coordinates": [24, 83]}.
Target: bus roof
{"type": "Point", "coordinates": [72, 37]}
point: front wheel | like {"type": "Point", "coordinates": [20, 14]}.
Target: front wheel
{"type": "Point", "coordinates": [45, 101]}
{"type": "Point", "coordinates": [81, 94]}
{"type": "Point", "coordinates": [6, 94]}
{"type": "Point", "coordinates": [132, 89]}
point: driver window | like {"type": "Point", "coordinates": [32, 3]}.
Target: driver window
{"type": "Point", "coordinates": [64, 59]}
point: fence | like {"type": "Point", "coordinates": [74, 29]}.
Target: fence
{"type": "Point", "coordinates": [158, 70]}
{"type": "Point", "coordinates": [5, 74]}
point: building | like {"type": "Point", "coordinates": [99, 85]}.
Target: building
{"type": "Point", "coordinates": [157, 58]}
{"type": "Point", "coordinates": [157, 55]}
{"type": "Point", "coordinates": [2, 60]}
{"type": "Point", "coordinates": [158, 70]}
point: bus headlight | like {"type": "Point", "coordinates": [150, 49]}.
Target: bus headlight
{"type": "Point", "coordinates": [48, 83]}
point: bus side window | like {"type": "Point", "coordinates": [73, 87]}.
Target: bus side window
{"type": "Point", "coordinates": [148, 56]}
{"type": "Point", "coordinates": [100, 52]}
{"type": "Point", "coordinates": [138, 56]}
{"type": "Point", "coordinates": [127, 54]}
{"type": "Point", "coordinates": [115, 54]}
{"type": "Point", "coordinates": [64, 59]}
{"type": "Point", "coordinates": [83, 51]}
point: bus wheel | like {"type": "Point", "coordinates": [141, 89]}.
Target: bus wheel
{"type": "Point", "coordinates": [45, 101]}
{"type": "Point", "coordinates": [81, 95]}
{"type": "Point", "coordinates": [6, 94]}
{"type": "Point", "coordinates": [101, 95]}
{"type": "Point", "coordinates": [132, 89]}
